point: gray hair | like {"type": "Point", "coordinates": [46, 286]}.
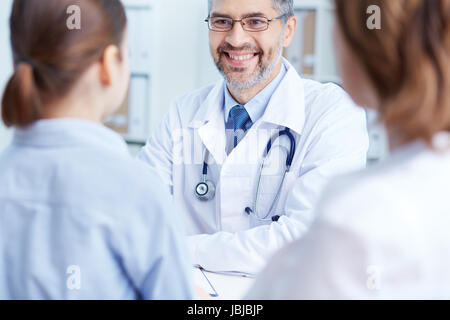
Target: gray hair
{"type": "Point", "coordinates": [284, 7]}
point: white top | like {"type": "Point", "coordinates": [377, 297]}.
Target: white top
{"type": "Point", "coordinates": [81, 219]}
{"type": "Point", "coordinates": [380, 234]}
{"type": "Point", "coordinates": [331, 139]}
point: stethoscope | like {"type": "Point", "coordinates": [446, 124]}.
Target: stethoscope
{"type": "Point", "coordinates": [206, 190]}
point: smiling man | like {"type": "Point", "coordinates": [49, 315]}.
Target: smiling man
{"type": "Point", "coordinates": [245, 159]}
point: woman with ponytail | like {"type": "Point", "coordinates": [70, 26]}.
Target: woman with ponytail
{"type": "Point", "coordinates": [79, 218]}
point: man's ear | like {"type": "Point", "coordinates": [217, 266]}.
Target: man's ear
{"type": "Point", "coordinates": [107, 63]}
{"type": "Point", "coordinates": [289, 31]}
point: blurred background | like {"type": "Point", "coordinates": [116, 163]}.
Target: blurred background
{"type": "Point", "coordinates": [169, 56]}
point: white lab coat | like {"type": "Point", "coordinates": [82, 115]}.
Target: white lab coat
{"type": "Point", "coordinates": [379, 234]}
{"type": "Point", "coordinates": [331, 138]}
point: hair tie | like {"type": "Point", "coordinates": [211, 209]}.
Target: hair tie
{"type": "Point", "coordinates": [27, 61]}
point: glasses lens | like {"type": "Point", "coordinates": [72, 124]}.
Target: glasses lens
{"type": "Point", "coordinates": [256, 24]}
{"type": "Point", "coordinates": [220, 24]}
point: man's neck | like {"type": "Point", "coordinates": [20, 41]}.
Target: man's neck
{"type": "Point", "coordinates": [243, 96]}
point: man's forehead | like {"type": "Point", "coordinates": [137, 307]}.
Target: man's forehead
{"type": "Point", "coordinates": [242, 8]}
{"type": "Point", "coordinates": [244, 15]}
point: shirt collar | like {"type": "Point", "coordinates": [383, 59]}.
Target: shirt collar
{"type": "Point", "coordinates": [69, 133]}
{"type": "Point", "coordinates": [256, 106]}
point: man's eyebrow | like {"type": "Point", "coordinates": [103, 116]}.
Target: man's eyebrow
{"type": "Point", "coordinates": [248, 15]}
{"type": "Point", "coordinates": [254, 14]}
{"type": "Point", "coordinates": [218, 14]}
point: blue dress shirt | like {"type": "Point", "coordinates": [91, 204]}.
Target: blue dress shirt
{"type": "Point", "coordinates": [255, 107]}
{"type": "Point", "coordinates": [81, 219]}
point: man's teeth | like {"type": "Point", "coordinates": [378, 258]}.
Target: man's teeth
{"type": "Point", "coordinates": [241, 58]}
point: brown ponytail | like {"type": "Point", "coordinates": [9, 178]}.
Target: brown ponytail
{"type": "Point", "coordinates": [21, 101]}
{"type": "Point", "coordinates": [50, 58]}
{"type": "Point", "coordinates": [407, 61]}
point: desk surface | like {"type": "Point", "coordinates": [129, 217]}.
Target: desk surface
{"type": "Point", "coordinates": [227, 287]}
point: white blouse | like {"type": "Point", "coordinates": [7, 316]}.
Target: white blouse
{"type": "Point", "coordinates": [380, 234]}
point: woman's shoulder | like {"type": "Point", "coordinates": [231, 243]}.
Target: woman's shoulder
{"type": "Point", "coordinates": [387, 189]}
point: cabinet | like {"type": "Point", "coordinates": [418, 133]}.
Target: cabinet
{"type": "Point", "coordinates": [311, 51]}
{"type": "Point", "coordinates": [131, 120]}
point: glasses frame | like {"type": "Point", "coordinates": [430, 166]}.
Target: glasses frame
{"type": "Point", "coordinates": [241, 21]}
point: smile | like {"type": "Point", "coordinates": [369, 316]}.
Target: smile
{"type": "Point", "coordinates": [241, 58]}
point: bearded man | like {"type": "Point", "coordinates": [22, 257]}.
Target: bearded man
{"type": "Point", "coordinates": [246, 159]}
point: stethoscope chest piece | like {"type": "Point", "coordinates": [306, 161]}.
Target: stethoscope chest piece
{"type": "Point", "coordinates": [205, 191]}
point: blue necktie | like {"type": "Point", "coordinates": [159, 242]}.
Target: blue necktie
{"type": "Point", "coordinates": [240, 118]}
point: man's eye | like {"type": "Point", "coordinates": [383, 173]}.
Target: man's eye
{"type": "Point", "coordinates": [222, 22]}
{"type": "Point", "coordinates": [256, 22]}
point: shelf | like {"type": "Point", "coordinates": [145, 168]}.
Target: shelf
{"type": "Point", "coordinates": [131, 120]}
{"type": "Point", "coordinates": [314, 4]}
{"type": "Point", "coordinates": [311, 52]}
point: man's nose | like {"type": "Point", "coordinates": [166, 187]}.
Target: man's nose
{"type": "Point", "coordinates": [237, 36]}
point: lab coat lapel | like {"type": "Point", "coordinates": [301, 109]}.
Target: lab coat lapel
{"type": "Point", "coordinates": [210, 123]}
{"type": "Point", "coordinates": [286, 108]}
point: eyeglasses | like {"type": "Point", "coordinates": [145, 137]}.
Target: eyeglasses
{"type": "Point", "coordinates": [251, 24]}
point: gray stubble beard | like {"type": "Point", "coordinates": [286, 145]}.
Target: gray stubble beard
{"type": "Point", "coordinates": [263, 75]}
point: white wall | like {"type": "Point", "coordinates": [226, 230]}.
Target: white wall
{"type": "Point", "coordinates": [5, 62]}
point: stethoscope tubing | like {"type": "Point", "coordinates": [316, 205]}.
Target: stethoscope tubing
{"type": "Point", "coordinates": [274, 202]}
{"type": "Point", "coordinates": [289, 160]}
